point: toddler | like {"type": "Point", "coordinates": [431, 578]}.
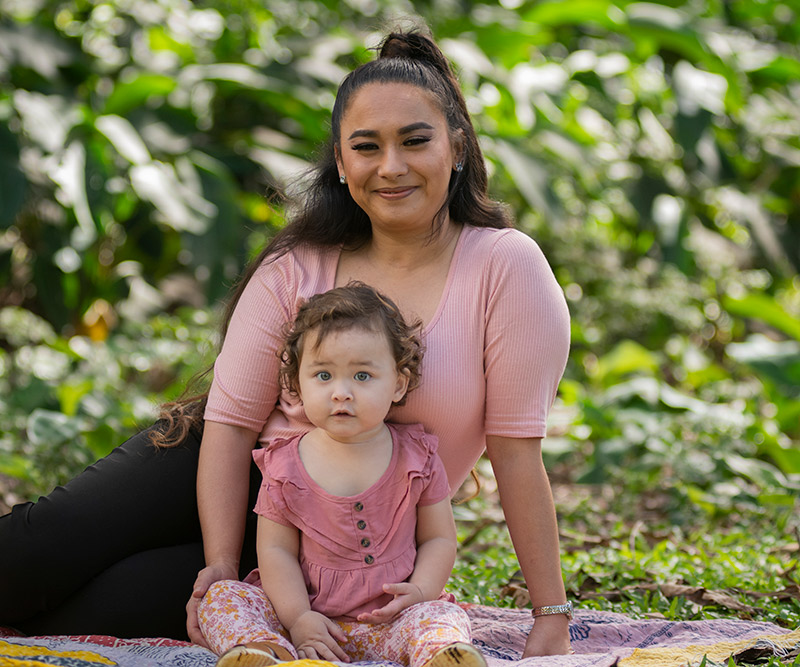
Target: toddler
{"type": "Point", "coordinates": [356, 538]}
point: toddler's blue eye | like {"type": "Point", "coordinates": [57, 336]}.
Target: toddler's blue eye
{"type": "Point", "coordinates": [362, 376]}
{"type": "Point", "coordinates": [324, 376]}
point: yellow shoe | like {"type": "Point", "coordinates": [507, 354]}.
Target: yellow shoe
{"type": "Point", "coordinates": [254, 654]}
{"type": "Point", "coordinates": [457, 655]}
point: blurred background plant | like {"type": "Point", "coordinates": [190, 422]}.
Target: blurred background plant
{"type": "Point", "coordinates": [651, 148]}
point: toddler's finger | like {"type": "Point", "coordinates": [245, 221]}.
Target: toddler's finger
{"type": "Point", "coordinates": [373, 616]}
{"type": "Point", "coordinates": [393, 589]}
{"type": "Point", "coordinates": [337, 633]}
{"type": "Point", "coordinates": [336, 652]}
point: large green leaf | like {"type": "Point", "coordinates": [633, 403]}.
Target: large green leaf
{"type": "Point", "coordinates": [763, 307]}
{"type": "Point", "coordinates": [144, 87]}
{"type": "Point", "coordinates": [777, 361]}
{"type": "Point", "coordinates": [50, 428]}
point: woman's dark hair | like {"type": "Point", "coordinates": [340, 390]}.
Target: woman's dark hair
{"type": "Point", "coordinates": [354, 306]}
{"type": "Point", "coordinates": [324, 214]}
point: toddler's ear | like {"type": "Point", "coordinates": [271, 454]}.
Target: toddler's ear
{"type": "Point", "coordinates": [402, 385]}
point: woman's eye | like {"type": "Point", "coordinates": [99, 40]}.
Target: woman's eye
{"type": "Point", "coordinates": [365, 147]}
{"type": "Point", "coordinates": [362, 376]}
{"type": "Point", "coordinates": [324, 376]}
{"type": "Point", "coordinates": [416, 141]}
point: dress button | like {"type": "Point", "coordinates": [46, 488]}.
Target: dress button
{"type": "Point", "coordinates": [365, 542]}
{"type": "Point", "coordinates": [361, 524]}
{"type": "Point", "coordinates": [369, 560]}
{"type": "Point", "coordinates": [359, 506]}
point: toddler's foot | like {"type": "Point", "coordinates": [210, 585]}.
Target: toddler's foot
{"type": "Point", "coordinates": [457, 655]}
{"type": "Point", "coordinates": [254, 654]}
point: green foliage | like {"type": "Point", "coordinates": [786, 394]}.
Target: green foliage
{"type": "Point", "coordinates": [65, 403]}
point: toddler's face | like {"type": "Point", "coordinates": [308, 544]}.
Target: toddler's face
{"type": "Point", "coordinates": [348, 383]}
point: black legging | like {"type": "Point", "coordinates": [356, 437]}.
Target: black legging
{"type": "Point", "coordinates": [115, 551]}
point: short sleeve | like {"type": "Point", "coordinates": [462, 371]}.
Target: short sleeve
{"type": "Point", "coordinates": [270, 502]}
{"type": "Point", "coordinates": [438, 488]}
{"type": "Point", "coordinates": [245, 388]}
{"type": "Point", "coordinates": [526, 339]}
{"type": "Point", "coordinates": [422, 461]}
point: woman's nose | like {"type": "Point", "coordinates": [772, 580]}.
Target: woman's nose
{"type": "Point", "coordinates": [392, 164]}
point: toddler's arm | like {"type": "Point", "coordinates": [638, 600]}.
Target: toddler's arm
{"type": "Point", "coordinates": [436, 554]}
{"type": "Point", "coordinates": [314, 636]}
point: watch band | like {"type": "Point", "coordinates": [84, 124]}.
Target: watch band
{"type": "Point", "coordinates": [550, 610]}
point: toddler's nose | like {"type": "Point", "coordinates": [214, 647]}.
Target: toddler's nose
{"type": "Point", "coordinates": [342, 392]}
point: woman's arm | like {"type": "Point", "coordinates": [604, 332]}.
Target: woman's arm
{"type": "Point", "coordinates": [223, 474]}
{"type": "Point", "coordinates": [436, 554]}
{"type": "Point", "coordinates": [313, 635]}
{"type": "Point", "coordinates": [530, 514]}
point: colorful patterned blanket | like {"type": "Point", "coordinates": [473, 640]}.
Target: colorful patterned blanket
{"type": "Point", "coordinates": [600, 639]}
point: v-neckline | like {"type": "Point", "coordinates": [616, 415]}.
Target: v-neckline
{"type": "Point", "coordinates": [451, 269]}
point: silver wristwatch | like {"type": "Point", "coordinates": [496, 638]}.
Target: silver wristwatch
{"type": "Point", "coordinates": [550, 610]}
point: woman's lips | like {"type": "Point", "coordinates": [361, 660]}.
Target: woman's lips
{"type": "Point", "coordinates": [395, 193]}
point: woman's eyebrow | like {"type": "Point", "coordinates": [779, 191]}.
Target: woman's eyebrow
{"type": "Point", "coordinates": [421, 125]}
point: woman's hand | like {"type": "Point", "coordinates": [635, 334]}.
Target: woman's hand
{"type": "Point", "coordinates": [549, 636]}
{"type": "Point", "coordinates": [316, 637]}
{"type": "Point", "coordinates": [405, 594]}
{"type": "Point", "coordinates": [206, 577]}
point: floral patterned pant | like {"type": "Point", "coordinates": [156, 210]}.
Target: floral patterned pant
{"type": "Point", "coordinates": [235, 612]}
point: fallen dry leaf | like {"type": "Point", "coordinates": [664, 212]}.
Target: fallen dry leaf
{"type": "Point", "coordinates": [703, 596]}
{"type": "Point", "coordinates": [518, 593]}
{"type": "Point", "coordinates": [791, 592]}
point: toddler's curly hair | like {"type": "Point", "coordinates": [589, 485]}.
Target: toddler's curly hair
{"type": "Point", "coordinates": [355, 305]}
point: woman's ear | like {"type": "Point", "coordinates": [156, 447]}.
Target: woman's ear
{"type": "Point", "coordinates": [337, 154]}
{"type": "Point", "coordinates": [459, 147]}
{"type": "Point", "coordinates": [402, 385]}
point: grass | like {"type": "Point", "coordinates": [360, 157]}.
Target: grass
{"type": "Point", "coordinates": [738, 566]}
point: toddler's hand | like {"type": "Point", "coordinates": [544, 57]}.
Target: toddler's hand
{"type": "Point", "coordinates": [405, 594]}
{"type": "Point", "coordinates": [316, 637]}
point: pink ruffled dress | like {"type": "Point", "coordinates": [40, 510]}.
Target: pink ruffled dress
{"type": "Point", "coordinates": [350, 546]}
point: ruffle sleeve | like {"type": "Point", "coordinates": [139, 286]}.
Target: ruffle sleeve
{"type": "Point", "coordinates": [273, 463]}
{"type": "Point", "coordinates": [421, 460]}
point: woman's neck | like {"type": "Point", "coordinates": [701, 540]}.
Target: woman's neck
{"type": "Point", "coordinates": [407, 252]}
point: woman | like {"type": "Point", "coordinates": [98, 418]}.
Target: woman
{"type": "Point", "coordinates": [398, 201]}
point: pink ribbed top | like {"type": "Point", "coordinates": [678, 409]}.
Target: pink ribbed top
{"type": "Point", "coordinates": [495, 350]}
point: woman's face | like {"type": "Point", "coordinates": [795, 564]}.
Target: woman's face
{"type": "Point", "coordinates": [396, 153]}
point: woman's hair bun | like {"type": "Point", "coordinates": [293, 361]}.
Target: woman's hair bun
{"type": "Point", "coordinates": [414, 45]}
{"type": "Point", "coordinates": [402, 45]}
